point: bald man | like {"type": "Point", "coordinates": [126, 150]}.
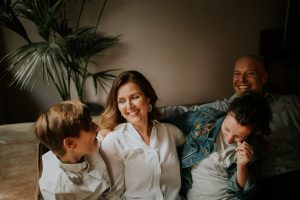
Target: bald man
{"type": "Point", "coordinates": [249, 74]}
{"type": "Point", "coordinates": [281, 168]}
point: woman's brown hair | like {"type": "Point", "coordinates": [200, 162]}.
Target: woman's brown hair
{"type": "Point", "coordinates": [111, 116]}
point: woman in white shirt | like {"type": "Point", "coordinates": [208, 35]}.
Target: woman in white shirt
{"type": "Point", "coordinates": [141, 153]}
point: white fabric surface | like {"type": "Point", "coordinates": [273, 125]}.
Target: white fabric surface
{"type": "Point", "coordinates": [209, 176]}
{"type": "Point", "coordinates": [86, 180]}
{"type": "Point", "coordinates": [140, 171]}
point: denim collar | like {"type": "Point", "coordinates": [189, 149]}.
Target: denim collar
{"type": "Point", "coordinates": [215, 130]}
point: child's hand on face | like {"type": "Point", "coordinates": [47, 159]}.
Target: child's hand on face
{"type": "Point", "coordinates": [244, 153]}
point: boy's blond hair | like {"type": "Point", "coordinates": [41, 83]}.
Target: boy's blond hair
{"type": "Point", "coordinates": [60, 121]}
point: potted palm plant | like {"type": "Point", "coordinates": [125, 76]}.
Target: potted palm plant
{"type": "Point", "coordinates": [64, 53]}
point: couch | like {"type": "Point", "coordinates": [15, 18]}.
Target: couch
{"type": "Point", "coordinates": [20, 166]}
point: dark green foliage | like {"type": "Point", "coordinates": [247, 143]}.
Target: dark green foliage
{"type": "Point", "coordinates": [64, 53]}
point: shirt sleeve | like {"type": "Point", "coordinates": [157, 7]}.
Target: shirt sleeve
{"type": "Point", "coordinates": [218, 105]}
{"type": "Point", "coordinates": [171, 111]}
{"type": "Point", "coordinates": [47, 195]}
{"type": "Point", "coordinates": [175, 133]}
{"type": "Point", "coordinates": [233, 186]}
{"type": "Point", "coordinates": [114, 161]}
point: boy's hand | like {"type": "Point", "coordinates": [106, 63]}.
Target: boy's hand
{"type": "Point", "coordinates": [244, 153]}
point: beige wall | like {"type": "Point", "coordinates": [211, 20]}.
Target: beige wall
{"type": "Point", "coordinates": [185, 47]}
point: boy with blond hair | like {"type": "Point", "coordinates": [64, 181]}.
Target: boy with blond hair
{"type": "Point", "coordinates": [73, 168]}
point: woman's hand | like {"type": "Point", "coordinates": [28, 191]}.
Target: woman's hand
{"type": "Point", "coordinates": [244, 153]}
{"type": "Point", "coordinates": [244, 156]}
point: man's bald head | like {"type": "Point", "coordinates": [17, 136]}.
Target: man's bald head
{"type": "Point", "coordinates": [249, 74]}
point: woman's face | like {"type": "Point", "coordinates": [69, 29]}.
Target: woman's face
{"type": "Point", "coordinates": [132, 103]}
{"type": "Point", "coordinates": [233, 131]}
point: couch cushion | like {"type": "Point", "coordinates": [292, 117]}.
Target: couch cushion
{"type": "Point", "coordinates": [17, 133]}
{"type": "Point", "coordinates": [18, 166]}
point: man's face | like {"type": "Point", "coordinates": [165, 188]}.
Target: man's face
{"type": "Point", "coordinates": [248, 75]}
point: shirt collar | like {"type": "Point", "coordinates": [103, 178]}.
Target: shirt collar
{"type": "Point", "coordinates": [74, 171]}
{"type": "Point", "coordinates": [127, 125]}
{"type": "Point", "coordinates": [77, 167]}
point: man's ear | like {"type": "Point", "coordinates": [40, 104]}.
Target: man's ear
{"type": "Point", "coordinates": [69, 143]}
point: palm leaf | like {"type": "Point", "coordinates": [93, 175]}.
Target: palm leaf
{"type": "Point", "coordinates": [64, 54]}
{"type": "Point", "coordinates": [103, 78]}
{"type": "Point", "coordinates": [9, 19]}
{"type": "Point", "coordinates": [43, 13]}
{"type": "Point", "coordinates": [81, 46]}
{"type": "Point", "coordinates": [32, 58]}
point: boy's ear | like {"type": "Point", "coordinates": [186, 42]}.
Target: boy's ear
{"type": "Point", "coordinates": [69, 143]}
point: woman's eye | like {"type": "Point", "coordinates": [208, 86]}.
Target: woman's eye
{"type": "Point", "coordinates": [135, 97]}
{"type": "Point", "coordinates": [121, 101]}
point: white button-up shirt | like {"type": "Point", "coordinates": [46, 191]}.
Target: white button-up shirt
{"type": "Point", "coordinates": [139, 171]}
{"type": "Point", "coordinates": [86, 180]}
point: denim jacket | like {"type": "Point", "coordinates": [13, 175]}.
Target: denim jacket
{"type": "Point", "coordinates": [201, 128]}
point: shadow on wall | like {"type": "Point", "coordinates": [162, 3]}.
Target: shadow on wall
{"type": "Point", "coordinates": [15, 105]}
